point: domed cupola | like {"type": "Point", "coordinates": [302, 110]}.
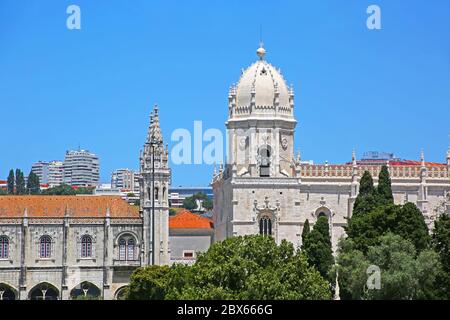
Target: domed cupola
{"type": "Point", "coordinates": [261, 93]}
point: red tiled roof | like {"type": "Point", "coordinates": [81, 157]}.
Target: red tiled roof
{"type": "Point", "coordinates": [398, 163]}
{"type": "Point", "coordinates": [416, 163]}
{"type": "Point", "coordinates": [75, 206]}
{"type": "Point", "coordinates": [189, 220]}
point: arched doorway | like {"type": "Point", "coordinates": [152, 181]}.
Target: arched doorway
{"type": "Point", "coordinates": [44, 291]}
{"type": "Point", "coordinates": [7, 292]}
{"type": "Point", "coordinates": [85, 291]}
{"type": "Point", "coordinates": [121, 293]}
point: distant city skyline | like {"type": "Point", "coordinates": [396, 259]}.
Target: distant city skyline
{"type": "Point", "coordinates": [386, 90]}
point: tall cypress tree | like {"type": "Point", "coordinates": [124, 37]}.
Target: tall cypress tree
{"type": "Point", "coordinates": [441, 243]}
{"type": "Point", "coordinates": [305, 231]}
{"type": "Point", "coordinates": [33, 185]}
{"type": "Point", "coordinates": [366, 199]}
{"type": "Point", "coordinates": [11, 182]}
{"type": "Point", "coordinates": [384, 189]}
{"type": "Point", "coordinates": [318, 249]}
{"type": "Point", "coordinates": [20, 182]}
{"type": "Point", "coordinates": [410, 225]}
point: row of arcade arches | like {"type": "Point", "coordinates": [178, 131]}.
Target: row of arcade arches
{"type": "Point", "coordinates": [46, 291]}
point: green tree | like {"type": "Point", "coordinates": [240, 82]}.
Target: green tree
{"type": "Point", "coordinates": [404, 273]}
{"type": "Point", "coordinates": [33, 185]}
{"type": "Point", "coordinates": [11, 182]}
{"type": "Point", "coordinates": [84, 190]}
{"type": "Point", "coordinates": [20, 182]}
{"type": "Point", "coordinates": [62, 190]}
{"type": "Point", "coordinates": [190, 203]}
{"type": "Point", "coordinates": [441, 243]}
{"type": "Point", "coordinates": [384, 188]}
{"type": "Point", "coordinates": [172, 212]}
{"type": "Point", "coordinates": [410, 224]}
{"type": "Point", "coordinates": [249, 267]}
{"type": "Point", "coordinates": [148, 283]}
{"type": "Point", "coordinates": [317, 247]}
{"type": "Point", "coordinates": [3, 192]}
{"type": "Point", "coordinates": [305, 231]}
{"type": "Point", "coordinates": [366, 229]}
{"type": "Point", "coordinates": [366, 200]}
{"type": "Point", "coordinates": [406, 221]}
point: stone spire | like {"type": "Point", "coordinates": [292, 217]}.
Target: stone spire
{"type": "Point", "coordinates": [155, 129]}
{"type": "Point", "coordinates": [298, 158]}
{"type": "Point", "coordinates": [448, 154]}
{"type": "Point", "coordinates": [355, 186]}
{"type": "Point", "coordinates": [422, 159]}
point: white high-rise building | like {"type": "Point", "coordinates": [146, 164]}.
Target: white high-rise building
{"type": "Point", "coordinates": [81, 169]}
{"type": "Point", "coordinates": [40, 169]}
{"type": "Point", "coordinates": [125, 180]}
{"type": "Point", "coordinates": [55, 173]}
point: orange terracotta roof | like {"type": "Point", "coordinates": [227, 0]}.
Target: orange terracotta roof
{"type": "Point", "coordinates": [189, 220]}
{"type": "Point", "coordinates": [75, 206]}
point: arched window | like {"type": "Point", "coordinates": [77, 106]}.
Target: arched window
{"type": "Point", "coordinates": [86, 246]}
{"type": "Point", "coordinates": [122, 249]}
{"type": "Point", "coordinates": [265, 226]}
{"type": "Point", "coordinates": [264, 167]}
{"type": "Point", "coordinates": [156, 193]}
{"type": "Point", "coordinates": [130, 249]}
{"type": "Point", "coordinates": [127, 248]}
{"type": "Point", "coordinates": [45, 247]}
{"type": "Point", "coordinates": [4, 247]}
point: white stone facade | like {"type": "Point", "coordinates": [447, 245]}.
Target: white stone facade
{"type": "Point", "coordinates": [117, 237]}
{"type": "Point", "coordinates": [279, 187]}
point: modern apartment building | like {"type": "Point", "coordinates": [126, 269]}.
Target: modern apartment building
{"type": "Point", "coordinates": [81, 168]}
{"type": "Point", "coordinates": [40, 169]}
{"type": "Point", "coordinates": [55, 173]}
{"type": "Point", "coordinates": [125, 180]}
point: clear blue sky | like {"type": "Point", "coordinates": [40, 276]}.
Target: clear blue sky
{"type": "Point", "coordinates": [386, 90]}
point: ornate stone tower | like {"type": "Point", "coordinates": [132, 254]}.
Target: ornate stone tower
{"type": "Point", "coordinates": [261, 122]}
{"type": "Point", "coordinates": [255, 192]}
{"type": "Point", "coordinates": [154, 187]}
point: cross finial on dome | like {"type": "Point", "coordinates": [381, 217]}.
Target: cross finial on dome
{"type": "Point", "coordinates": [261, 52]}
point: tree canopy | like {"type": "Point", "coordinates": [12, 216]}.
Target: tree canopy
{"type": "Point", "coordinates": [248, 267]}
{"type": "Point", "coordinates": [11, 182]}
{"type": "Point", "coordinates": [404, 273]}
{"type": "Point", "coordinates": [305, 232]}
{"type": "Point", "coordinates": [20, 183]}
{"type": "Point", "coordinates": [441, 244]}
{"type": "Point", "coordinates": [190, 203]}
{"type": "Point", "coordinates": [33, 185]}
{"type": "Point", "coordinates": [366, 200]}
{"type": "Point", "coordinates": [384, 188]}
{"type": "Point", "coordinates": [317, 247]}
{"type": "Point", "coordinates": [66, 190]}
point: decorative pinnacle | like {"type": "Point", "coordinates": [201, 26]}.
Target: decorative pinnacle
{"type": "Point", "coordinates": [422, 157]}
{"type": "Point", "coordinates": [298, 158]}
{"type": "Point", "coordinates": [354, 157]}
{"type": "Point", "coordinates": [261, 52]}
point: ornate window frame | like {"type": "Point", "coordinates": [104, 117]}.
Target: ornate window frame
{"type": "Point", "coordinates": [267, 211]}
